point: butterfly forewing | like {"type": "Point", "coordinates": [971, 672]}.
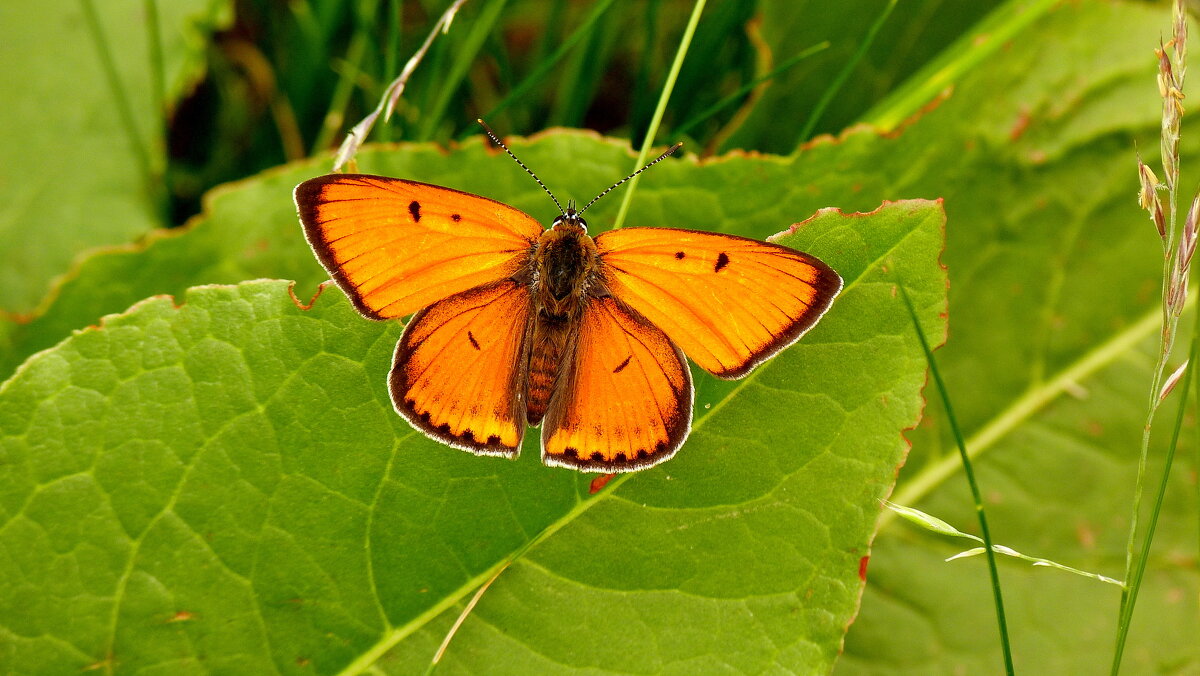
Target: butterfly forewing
{"type": "Point", "coordinates": [592, 332]}
{"type": "Point", "coordinates": [459, 370]}
{"type": "Point", "coordinates": [624, 398]}
{"type": "Point", "coordinates": [729, 302]}
{"type": "Point", "coordinates": [396, 246]}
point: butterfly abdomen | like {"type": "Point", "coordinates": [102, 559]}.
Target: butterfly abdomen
{"type": "Point", "coordinates": [550, 338]}
{"type": "Point", "coordinates": [565, 261]}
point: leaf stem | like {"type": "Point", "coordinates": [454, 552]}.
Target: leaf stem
{"type": "Point", "coordinates": [663, 98]}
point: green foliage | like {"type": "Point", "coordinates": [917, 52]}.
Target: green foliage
{"type": "Point", "coordinates": [221, 486]}
{"type": "Point", "coordinates": [225, 482]}
{"type": "Point", "coordinates": [79, 168]}
{"type": "Point", "coordinates": [915, 33]}
{"type": "Point", "coordinates": [1053, 305]}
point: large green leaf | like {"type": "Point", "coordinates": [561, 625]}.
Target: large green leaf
{"type": "Point", "coordinates": [249, 229]}
{"type": "Point", "coordinates": [69, 177]}
{"type": "Point", "coordinates": [1054, 277]}
{"type": "Point", "coordinates": [223, 485]}
{"type": "Point", "coordinates": [1054, 307]}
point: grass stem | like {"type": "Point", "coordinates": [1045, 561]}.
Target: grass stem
{"type": "Point", "coordinates": [1134, 582]}
{"type": "Point", "coordinates": [351, 69]}
{"type": "Point", "coordinates": [844, 74]}
{"type": "Point", "coordinates": [549, 63]}
{"type": "Point", "coordinates": [125, 111]}
{"type": "Point", "coordinates": [1177, 250]}
{"type": "Point", "coordinates": [464, 56]}
{"type": "Point", "coordinates": [969, 471]}
{"type": "Point", "coordinates": [688, 33]}
{"type": "Point", "coordinates": [725, 102]}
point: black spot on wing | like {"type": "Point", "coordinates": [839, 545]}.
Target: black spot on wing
{"type": "Point", "coordinates": [455, 217]}
{"type": "Point", "coordinates": [679, 255]}
{"type": "Point", "coordinates": [722, 261]}
{"type": "Point", "coordinates": [471, 337]}
{"type": "Point", "coordinates": [414, 208]}
{"type": "Point", "coordinates": [622, 365]}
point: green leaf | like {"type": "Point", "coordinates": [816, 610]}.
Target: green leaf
{"type": "Point", "coordinates": [223, 485]}
{"type": "Point", "coordinates": [70, 179]}
{"type": "Point", "coordinates": [1053, 305]}
{"type": "Point", "coordinates": [249, 229]}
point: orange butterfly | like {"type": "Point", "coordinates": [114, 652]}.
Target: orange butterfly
{"type": "Point", "coordinates": [518, 324]}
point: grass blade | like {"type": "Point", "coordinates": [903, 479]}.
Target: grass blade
{"type": "Point", "coordinates": [970, 473]}
{"type": "Point", "coordinates": [125, 111]}
{"type": "Point", "coordinates": [663, 98]}
{"type": "Point", "coordinates": [548, 64]}
{"type": "Point", "coordinates": [391, 54]}
{"type": "Point", "coordinates": [844, 74]}
{"type": "Point", "coordinates": [727, 101]}
{"type": "Point", "coordinates": [1134, 582]}
{"type": "Point", "coordinates": [971, 49]}
{"type": "Point", "coordinates": [465, 56]}
{"type": "Point", "coordinates": [350, 70]}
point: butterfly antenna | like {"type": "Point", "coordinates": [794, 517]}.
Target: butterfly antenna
{"type": "Point", "coordinates": [660, 158]}
{"type": "Point", "coordinates": [496, 139]}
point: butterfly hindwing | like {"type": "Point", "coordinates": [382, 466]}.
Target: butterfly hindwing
{"type": "Point", "coordinates": [623, 399]}
{"type": "Point", "coordinates": [396, 246]}
{"type": "Point", "coordinates": [460, 369]}
{"type": "Point", "coordinates": [729, 302]}
{"type": "Point", "coordinates": [601, 325]}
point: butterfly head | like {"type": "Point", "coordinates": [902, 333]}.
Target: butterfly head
{"type": "Point", "coordinates": [570, 220]}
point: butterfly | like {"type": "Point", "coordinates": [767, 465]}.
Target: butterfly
{"type": "Point", "coordinates": [514, 324]}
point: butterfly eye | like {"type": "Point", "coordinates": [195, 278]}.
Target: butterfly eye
{"type": "Point", "coordinates": [572, 219]}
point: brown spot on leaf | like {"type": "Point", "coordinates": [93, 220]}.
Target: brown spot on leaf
{"type": "Point", "coordinates": [599, 483]}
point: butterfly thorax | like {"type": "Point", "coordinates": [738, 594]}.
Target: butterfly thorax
{"type": "Point", "coordinates": [565, 264]}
